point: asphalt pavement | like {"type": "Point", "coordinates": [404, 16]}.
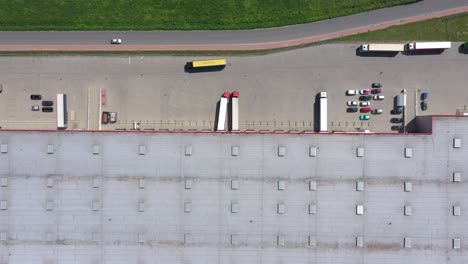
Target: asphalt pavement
{"type": "Point", "coordinates": [343, 25]}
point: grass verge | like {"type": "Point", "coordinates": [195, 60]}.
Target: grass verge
{"type": "Point", "coordinates": [451, 28]}
{"type": "Point", "coordinates": [175, 14]}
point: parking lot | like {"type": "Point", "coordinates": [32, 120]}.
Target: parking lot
{"type": "Point", "coordinates": [277, 91]}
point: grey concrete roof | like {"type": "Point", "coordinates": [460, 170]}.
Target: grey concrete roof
{"type": "Point", "coordinates": [184, 198]}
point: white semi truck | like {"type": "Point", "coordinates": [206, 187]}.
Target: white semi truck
{"type": "Point", "coordinates": [223, 103]}
{"type": "Point", "coordinates": [429, 45]}
{"type": "Point", "coordinates": [382, 47]}
{"type": "Point", "coordinates": [235, 111]}
{"type": "Point", "coordinates": [323, 112]}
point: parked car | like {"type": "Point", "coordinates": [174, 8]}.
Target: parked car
{"type": "Point", "coordinates": [35, 108]}
{"type": "Point", "coordinates": [365, 103]}
{"type": "Point", "coordinates": [424, 96]}
{"type": "Point", "coordinates": [397, 128]}
{"type": "Point", "coordinates": [396, 120]}
{"type": "Point", "coordinates": [36, 97]}
{"type": "Point", "coordinates": [47, 109]}
{"type": "Point", "coordinates": [47, 103]}
{"type": "Point", "coordinates": [352, 103]}
{"type": "Point", "coordinates": [105, 118]}
{"type": "Point", "coordinates": [396, 111]}
{"type": "Point", "coordinates": [116, 41]}
{"type": "Point", "coordinates": [424, 105]}
{"type": "Point", "coordinates": [364, 117]}
{"type": "Point", "coordinates": [379, 97]}
{"type": "Point", "coordinates": [376, 91]}
{"type": "Point", "coordinates": [112, 117]}
{"type": "Point", "coordinates": [365, 91]}
{"type": "Point", "coordinates": [465, 46]}
{"type": "Point", "coordinates": [351, 109]}
{"type": "Point", "coordinates": [352, 92]}
{"type": "Point", "coordinates": [365, 98]}
{"type": "Point", "coordinates": [377, 111]}
{"type": "Point", "coordinates": [376, 85]}
{"type": "Point", "coordinates": [365, 110]}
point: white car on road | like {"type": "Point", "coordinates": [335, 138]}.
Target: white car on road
{"type": "Point", "coordinates": [116, 41]}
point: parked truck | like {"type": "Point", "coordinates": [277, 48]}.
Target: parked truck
{"type": "Point", "coordinates": [235, 111]}
{"type": "Point", "coordinates": [382, 47]}
{"type": "Point", "coordinates": [323, 112]}
{"type": "Point", "coordinates": [429, 45]}
{"type": "Point", "coordinates": [221, 118]}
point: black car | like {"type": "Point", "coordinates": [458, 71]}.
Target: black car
{"type": "Point", "coordinates": [424, 105]}
{"type": "Point", "coordinates": [397, 128]}
{"type": "Point", "coordinates": [36, 97]}
{"type": "Point", "coordinates": [47, 103]}
{"type": "Point", "coordinates": [365, 98]}
{"type": "Point", "coordinates": [396, 111]}
{"type": "Point", "coordinates": [351, 110]}
{"type": "Point", "coordinates": [396, 120]}
{"type": "Point", "coordinates": [47, 109]}
{"type": "Point", "coordinates": [376, 85]}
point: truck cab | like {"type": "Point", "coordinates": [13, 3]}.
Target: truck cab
{"type": "Point", "coordinates": [364, 48]}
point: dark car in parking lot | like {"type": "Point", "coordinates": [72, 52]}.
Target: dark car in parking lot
{"type": "Point", "coordinates": [47, 103]}
{"type": "Point", "coordinates": [36, 97]}
{"type": "Point", "coordinates": [424, 96]}
{"type": "Point", "coordinates": [397, 128]}
{"type": "Point", "coordinates": [396, 120]}
{"type": "Point", "coordinates": [351, 110]}
{"type": "Point", "coordinates": [397, 111]}
{"type": "Point", "coordinates": [376, 91]}
{"type": "Point", "coordinates": [376, 85]}
{"type": "Point", "coordinates": [47, 109]}
{"type": "Point", "coordinates": [424, 105]}
{"type": "Point", "coordinates": [365, 98]}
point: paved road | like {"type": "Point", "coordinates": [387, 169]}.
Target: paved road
{"type": "Point", "coordinates": [240, 39]}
